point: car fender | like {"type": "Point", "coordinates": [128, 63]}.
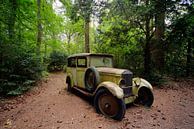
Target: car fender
{"type": "Point", "coordinates": [71, 78]}
{"type": "Point", "coordinates": [113, 88]}
{"type": "Point", "coordinates": [139, 83]}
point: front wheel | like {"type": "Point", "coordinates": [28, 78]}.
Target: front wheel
{"type": "Point", "coordinates": [145, 97]}
{"type": "Point", "coordinates": [109, 105]}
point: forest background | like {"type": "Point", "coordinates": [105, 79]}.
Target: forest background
{"type": "Point", "coordinates": [152, 38]}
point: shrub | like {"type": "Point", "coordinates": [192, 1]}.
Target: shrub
{"type": "Point", "coordinates": [57, 61]}
{"type": "Point", "coordinates": [19, 73]}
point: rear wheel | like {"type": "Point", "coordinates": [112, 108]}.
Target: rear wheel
{"type": "Point", "coordinates": [109, 105]}
{"type": "Point", "coordinates": [68, 83]}
{"type": "Point", "coordinates": [145, 97]}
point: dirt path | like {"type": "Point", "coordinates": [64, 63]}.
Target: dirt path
{"type": "Point", "coordinates": [50, 106]}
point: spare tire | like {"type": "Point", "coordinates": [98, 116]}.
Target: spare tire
{"type": "Point", "coordinates": [91, 79]}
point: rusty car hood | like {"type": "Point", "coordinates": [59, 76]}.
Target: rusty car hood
{"type": "Point", "coordinates": [110, 70]}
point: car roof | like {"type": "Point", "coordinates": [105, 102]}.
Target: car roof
{"type": "Point", "coordinates": [90, 54]}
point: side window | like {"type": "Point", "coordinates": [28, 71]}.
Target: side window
{"type": "Point", "coordinates": [72, 62]}
{"type": "Point", "coordinates": [82, 62]}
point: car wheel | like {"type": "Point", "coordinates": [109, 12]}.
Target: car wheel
{"type": "Point", "coordinates": [109, 105]}
{"type": "Point", "coordinates": [91, 79]}
{"type": "Point", "coordinates": [68, 83]}
{"type": "Point", "coordinates": [145, 97]}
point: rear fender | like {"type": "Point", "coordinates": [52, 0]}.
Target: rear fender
{"type": "Point", "coordinates": [112, 87]}
{"type": "Point", "coordinates": [71, 79]}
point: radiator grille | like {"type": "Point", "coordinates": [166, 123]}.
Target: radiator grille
{"type": "Point", "coordinates": [127, 91]}
{"type": "Point", "coordinates": [127, 76]}
{"type": "Point", "coordinates": [127, 88]}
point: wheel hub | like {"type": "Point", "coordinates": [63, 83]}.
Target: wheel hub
{"type": "Point", "coordinates": [107, 105]}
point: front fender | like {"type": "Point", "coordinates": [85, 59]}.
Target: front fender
{"type": "Point", "coordinates": [139, 83]}
{"type": "Point", "coordinates": [113, 88]}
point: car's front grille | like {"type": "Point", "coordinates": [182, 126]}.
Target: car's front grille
{"type": "Point", "coordinates": [127, 88]}
{"type": "Point", "coordinates": [127, 76]}
{"type": "Point", "coordinates": [127, 91]}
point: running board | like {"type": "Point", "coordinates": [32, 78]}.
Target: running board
{"type": "Point", "coordinates": [82, 91]}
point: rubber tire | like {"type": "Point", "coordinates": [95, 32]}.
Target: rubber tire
{"type": "Point", "coordinates": [68, 83]}
{"type": "Point", "coordinates": [150, 97]}
{"type": "Point", "coordinates": [122, 106]}
{"type": "Point", "coordinates": [96, 79]}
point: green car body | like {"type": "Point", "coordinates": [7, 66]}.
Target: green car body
{"type": "Point", "coordinates": [93, 74]}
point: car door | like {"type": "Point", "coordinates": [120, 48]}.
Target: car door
{"type": "Point", "coordinates": [81, 67]}
{"type": "Point", "coordinates": [72, 69]}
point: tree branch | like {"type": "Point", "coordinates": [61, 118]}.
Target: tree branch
{"type": "Point", "coordinates": [140, 25]}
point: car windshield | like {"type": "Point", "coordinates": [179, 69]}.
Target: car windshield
{"type": "Point", "coordinates": [101, 61]}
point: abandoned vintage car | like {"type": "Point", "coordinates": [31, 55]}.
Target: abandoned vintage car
{"type": "Point", "coordinates": [112, 88]}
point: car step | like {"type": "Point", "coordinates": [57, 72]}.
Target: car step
{"type": "Point", "coordinates": [83, 92]}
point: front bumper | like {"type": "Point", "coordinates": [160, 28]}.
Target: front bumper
{"type": "Point", "coordinates": [129, 99]}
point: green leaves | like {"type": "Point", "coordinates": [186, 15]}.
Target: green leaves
{"type": "Point", "coordinates": [127, 27]}
{"type": "Point", "coordinates": [57, 61]}
{"type": "Point", "coordinates": [20, 67]}
{"type": "Point", "coordinates": [120, 39]}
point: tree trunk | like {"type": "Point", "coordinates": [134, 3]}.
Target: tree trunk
{"type": "Point", "coordinates": [68, 42]}
{"type": "Point", "coordinates": [39, 28]}
{"type": "Point", "coordinates": [12, 18]}
{"type": "Point", "coordinates": [147, 54]}
{"type": "Point", "coordinates": [189, 56]}
{"type": "Point", "coordinates": [87, 42]}
{"type": "Point", "coordinates": [159, 34]}
{"type": "Point", "coordinates": [45, 50]}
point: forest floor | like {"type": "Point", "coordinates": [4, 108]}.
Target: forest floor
{"type": "Point", "coordinates": [50, 106]}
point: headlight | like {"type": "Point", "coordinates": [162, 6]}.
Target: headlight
{"type": "Point", "coordinates": [122, 83]}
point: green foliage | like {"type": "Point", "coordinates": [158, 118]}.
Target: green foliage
{"type": "Point", "coordinates": [124, 30]}
{"type": "Point", "coordinates": [181, 34]}
{"type": "Point", "coordinates": [57, 61]}
{"type": "Point", "coordinates": [176, 61]}
{"type": "Point", "coordinates": [75, 36]}
{"type": "Point", "coordinates": [19, 73]}
{"type": "Point", "coordinates": [73, 28]}
{"type": "Point", "coordinates": [119, 36]}
{"type": "Point", "coordinates": [123, 33]}
{"type": "Point", "coordinates": [20, 66]}
{"type": "Point", "coordinates": [155, 78]}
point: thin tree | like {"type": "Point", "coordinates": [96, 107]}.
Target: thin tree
{"type": "Point", "coordinates": [86, 10]}
{"type": "Point", "coordinates": [147, 53]}
{"type": "Point", "coordinates": [39, 28]}
{"type": "Point", "coordinates": [12, 19]}
{"type": "Point", "coordinates": [159, 33]}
